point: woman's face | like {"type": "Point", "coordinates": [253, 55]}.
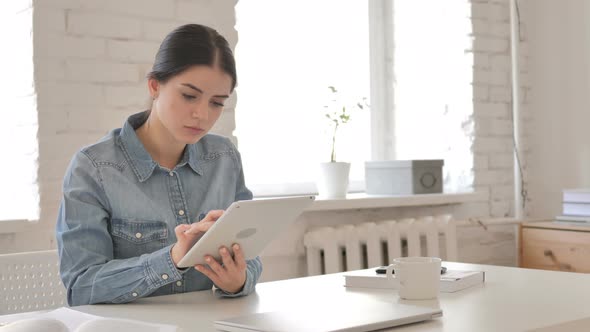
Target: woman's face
{"type": "Point", "coordinates": [190, 103]}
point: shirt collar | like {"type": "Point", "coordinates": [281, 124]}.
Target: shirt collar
{"type": "Point", "coordinates": [190, 157]}
{"type": "Point", "coordinates": [141, 162]}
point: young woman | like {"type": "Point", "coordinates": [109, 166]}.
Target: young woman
{"type": "Point", "coordinates": [136, 201]}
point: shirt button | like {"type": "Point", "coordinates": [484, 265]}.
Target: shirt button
{"type": "Point", "coordinates": [171, 174]}
{"type": "Point", "coordinates": [179, 283]}
{"type": "Point", "coordinates": [134, 294]}
{"type": "Point", "coordinates": [138, 235]}
{"type": "Point", "coordinates": [165, 276]}
{"type": "Point", "coordinates": [181, 212]}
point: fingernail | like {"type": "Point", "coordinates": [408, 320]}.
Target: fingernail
{"type": "Point", "coordinates": [208, 259]}
{"type": "Point", "coordinates": [223, 251]}
{"type": "Point", "coordinates": [198, 267]}
{"type": "Point", "coordinates": [236, 247]}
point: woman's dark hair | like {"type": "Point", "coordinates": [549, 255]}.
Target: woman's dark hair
{"type": "Point", "coordinates": [191, 45]}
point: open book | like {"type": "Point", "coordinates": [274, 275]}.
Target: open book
{"type": "Point", "coordinates": [68, 320]}
{"type": "Point", "coordinates": [451, 281]}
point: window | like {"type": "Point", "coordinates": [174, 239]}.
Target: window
{"type": "Point", "coordinates": [286, 60]}
{"type": "Point", "coordinates": [18, 128]}
{"type": "Point", "coordinates": [432, 90]}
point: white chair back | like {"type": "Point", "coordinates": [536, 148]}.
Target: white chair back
{"type": "Point", "coordinates": [30, 281]}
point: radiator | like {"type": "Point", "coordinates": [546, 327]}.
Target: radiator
{"type": "Point", "coordinates": [360, 246]}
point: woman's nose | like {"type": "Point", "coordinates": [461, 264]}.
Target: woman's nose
{"type": "Point", "coordinates": [200, 111]}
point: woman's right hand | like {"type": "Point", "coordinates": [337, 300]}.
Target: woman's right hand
{"type": "Point", "coordinates": [187, 235]}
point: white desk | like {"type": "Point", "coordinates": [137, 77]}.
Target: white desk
{"type": "Point", "coordinates": [511, 299]}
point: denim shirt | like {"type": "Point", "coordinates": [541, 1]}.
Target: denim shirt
{"type": "Point", "coordinates": [115, 226]}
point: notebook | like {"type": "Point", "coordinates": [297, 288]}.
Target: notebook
{"type": "Point", "coordinates": [451, 281]}
{"type": "Point", "coordinates": [68, 320]}
{"type": "Point", "coordinates": [345, 317]}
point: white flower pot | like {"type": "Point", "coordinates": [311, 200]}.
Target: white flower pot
{"type": "Point", "coordinates": [333, 180]}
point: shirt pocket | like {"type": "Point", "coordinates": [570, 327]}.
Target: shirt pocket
{"type": "Point", "coordinates": [133, 237]}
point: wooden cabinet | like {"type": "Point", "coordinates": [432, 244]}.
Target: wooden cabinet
{"type": "Point", "coordinates": [554, 246]}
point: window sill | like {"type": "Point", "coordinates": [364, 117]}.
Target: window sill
{"type": "Point", "coordinates": [18, 226]}
{"type": "Point", "coordinates": [364, 201]}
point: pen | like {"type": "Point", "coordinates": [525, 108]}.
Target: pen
{"type": "Point", "coordinates": [383, 269]}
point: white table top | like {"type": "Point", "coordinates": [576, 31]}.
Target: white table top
{"type": "Point", "coordinates": [511, 299]}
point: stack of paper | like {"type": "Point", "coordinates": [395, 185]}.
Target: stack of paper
{"type": "Point", "coordinates": [576, 206]}
{"type": "Point", "coordinates": [450, 282]}
{"type": "Point", "coordinates": [68, 320]}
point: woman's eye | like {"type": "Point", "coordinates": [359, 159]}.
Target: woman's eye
{"type": "Point", "coordinates": [217, 104]}
{"type": "Point", "coordinates": [188, 97]}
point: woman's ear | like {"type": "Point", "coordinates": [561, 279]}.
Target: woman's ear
{"type": "Point", "coordinates": [154, 87]}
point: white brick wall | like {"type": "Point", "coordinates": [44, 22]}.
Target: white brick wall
{"type": "Point", "coordinates": [493, 137]}
{"type": "Point", "coordinates": [91, 58]}
{"type": "Point", "coordinates": [132, 51]}
{"type": "Point", "coordinates": [83, 23]}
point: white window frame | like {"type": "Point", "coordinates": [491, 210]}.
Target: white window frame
{"type": "Point", "coordinates": [384, 117]}
{"type": "Point", "coordinates": [382, 122]}
{"type": "Point", "coordinates": [26, 225]}
{"type": "Point", "coordinates": [285, 188]}
{"type": "Point", "coordinates": [381, 79]}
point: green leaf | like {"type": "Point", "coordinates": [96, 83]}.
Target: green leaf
{"type": "Point", "coordinates": [336, 112]}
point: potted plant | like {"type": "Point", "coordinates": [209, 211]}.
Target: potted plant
{"type": "Point", "coordinates": [333, 179]}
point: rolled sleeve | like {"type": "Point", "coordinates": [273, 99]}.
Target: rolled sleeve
{"type": "Point", "coordinates": [242, 192]}
{"type": "Point", "coordinates": [253, 272]}
{"type": "Point", "coordinates": [161, 269]}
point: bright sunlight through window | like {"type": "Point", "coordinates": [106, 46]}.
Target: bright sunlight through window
{"type": "Point", "coordinates": [286, 60]}
{"type": "Point", "coordinates": [433, 92]}
{"type": "Point", "coordinates": [18, 128]}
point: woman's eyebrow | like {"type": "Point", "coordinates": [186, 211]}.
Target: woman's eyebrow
{"type": "Point", "coordinates": [201, 91]}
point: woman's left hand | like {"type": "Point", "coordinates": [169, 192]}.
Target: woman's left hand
{"type": "Point", "coordinates": [231, 276]}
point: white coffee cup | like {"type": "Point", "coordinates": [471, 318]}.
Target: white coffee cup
{"type": "Point", "coordinates": [416, 278]}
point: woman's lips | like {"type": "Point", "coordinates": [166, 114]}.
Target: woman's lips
{"type": "Point", "coordinates": [194, 130]}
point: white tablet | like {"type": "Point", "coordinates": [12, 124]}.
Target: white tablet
{"type": "Point", "coordinates": [251, 224]}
